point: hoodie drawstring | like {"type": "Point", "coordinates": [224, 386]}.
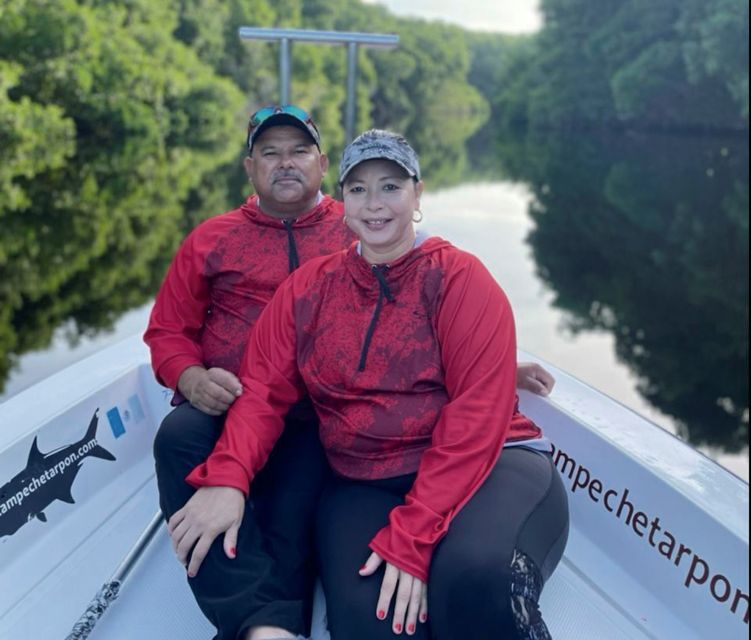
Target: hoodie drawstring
{"type": "Point", "coordinates": [294, 258]}
{"type": "Point", "coordinates": [383, 292]}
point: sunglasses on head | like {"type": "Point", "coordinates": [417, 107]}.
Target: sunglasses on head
{"type": "Point", "coordinates": [260, 116]}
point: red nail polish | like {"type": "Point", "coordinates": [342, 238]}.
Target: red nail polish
{"type": "Point", "coordinates": [423, 618]}
{"type": "Point", "coordinates": [381, 615]}
{"type": "Point", "coordinates": [233, 552]}
{"type": "Point", "coordinates": [362, 568]}
{"type": "Point", "coordinates": [398, 628]}
{"type": "Point", "coordinates": [191, 574]}
{"type": "Point", "coordinates": [411, 628]}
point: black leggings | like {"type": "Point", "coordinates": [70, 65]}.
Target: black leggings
{"type": "Point", "coordinates": [270, 582]}
{"type": "Point", "coordinates": [486, 575]}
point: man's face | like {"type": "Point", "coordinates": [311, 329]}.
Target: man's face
{"type": "Point", "coordinates": [286, 169]}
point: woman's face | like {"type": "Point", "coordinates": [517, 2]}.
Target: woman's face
{"type": "Point", "coordinates": [379, 202]}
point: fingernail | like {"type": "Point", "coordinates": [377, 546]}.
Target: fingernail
{"type": "Point", "coordinates": [362, 568]}
{"type": "Point", "coordinates": [191, 574]}
{"type": "Point", "coordinates": [411, 628]}
{"type": "Point", "coordinates": [233, 552]}
{"type": "Point", "coordinates": [381, 615]}
{"type": "Point", "coordinates": [398, 628]}
{"type": "Point", "coordinates": [423, 618]}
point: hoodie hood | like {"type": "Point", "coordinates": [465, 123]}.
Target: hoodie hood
{"type": "Point", "coordinates": [395, 273]}
{"type": "Point", "coordinates": [324, 211]}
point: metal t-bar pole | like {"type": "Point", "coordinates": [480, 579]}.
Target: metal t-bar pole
{"type": "Point", "coordinates": [285, 72]}
{"type": "Point", "coordinates": [349, 121]}
{"type": "Point", "coordinates": [353, 40]}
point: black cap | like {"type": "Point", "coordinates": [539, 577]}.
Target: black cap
{"type": "Point", "coordinates": [278, 116]}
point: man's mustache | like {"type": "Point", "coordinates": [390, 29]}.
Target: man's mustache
{"type": "Point", "coordinates": [287, 175]}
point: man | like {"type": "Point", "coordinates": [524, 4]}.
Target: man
{"type": "Point", "coordinates": [255, 584]}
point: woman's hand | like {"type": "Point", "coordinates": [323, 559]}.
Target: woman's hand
{"type": "Point", "coordinates": [411, 595]}
{"type": "Point", "coordinates": [211, 511]}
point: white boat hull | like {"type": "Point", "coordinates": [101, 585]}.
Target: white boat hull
{"type": "Point", "coordinates": [633, 489]}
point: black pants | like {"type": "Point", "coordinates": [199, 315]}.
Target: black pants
{"type": "Point", "coordinates": [270, 582]}
{"type": "Point", "coordinates": [486, 575]}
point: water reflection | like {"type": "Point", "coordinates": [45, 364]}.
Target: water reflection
{"type": "Point", "coordinates": [95, 237]}
{"type": "Point", "coordinates": [647, 238]}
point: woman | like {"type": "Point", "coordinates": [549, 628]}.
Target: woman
{"type": "Point", "coordinates": [406, 346]}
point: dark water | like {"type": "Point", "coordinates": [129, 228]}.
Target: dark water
{"type": "Point", "coordinates": [626, 258]}
{"type": "Point", "coordinates": [646, 238]}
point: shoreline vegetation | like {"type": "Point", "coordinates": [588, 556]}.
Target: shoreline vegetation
{"type": "Point", "coordinates": [121, 122]}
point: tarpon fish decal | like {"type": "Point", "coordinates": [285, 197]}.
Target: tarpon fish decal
{"type": "Point", "coordinates": [46, 478]}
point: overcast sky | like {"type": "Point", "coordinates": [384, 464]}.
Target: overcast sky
{"type": "Point", "coordinates": [507, 16]}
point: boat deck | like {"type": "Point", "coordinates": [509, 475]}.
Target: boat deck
{"type": "Point", "coordinates": [614, 581]}
{"type": "Point", "coordinates": [155, 601]}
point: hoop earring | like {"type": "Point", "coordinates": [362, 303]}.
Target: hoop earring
{"type": "Point", "coordinates": [344, 219]}
{"type": "Point", "coordinates": [418, 219]}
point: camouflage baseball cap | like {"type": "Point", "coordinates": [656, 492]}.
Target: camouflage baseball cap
{"type": "Point", "coordinates": [378, 144]}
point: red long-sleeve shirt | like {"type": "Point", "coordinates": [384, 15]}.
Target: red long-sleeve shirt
{"type": "Point", "coordinates": [416, 372]}
{"type": "Point", "coordinates": [223, 276]}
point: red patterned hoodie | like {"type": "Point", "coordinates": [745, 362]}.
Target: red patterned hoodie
{"type": "Point", "coordinates": [222, 277]}
{"type": "Point", "coordinates": [411, 367]}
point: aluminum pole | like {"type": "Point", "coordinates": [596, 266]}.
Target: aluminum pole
{"type": "Point", "coordinates": [353, 40]}
{"type": "Point", "coordinates": [285, 72]}
{"type": "Point", "coordinates": [381, 40]}
{"type": "Point", "coordinates": [351, 116]}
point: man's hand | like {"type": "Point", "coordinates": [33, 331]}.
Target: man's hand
{"type": "Point", "coordinates": [411, 596]}
{"type": "Point", "coordinates": [211, 511]}
{"type": "Point", "coordinates": [535, 378]}
{"type": "Point", "coordinates": [209, 390]}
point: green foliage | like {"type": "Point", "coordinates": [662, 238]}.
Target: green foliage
{"type": "Point", "coordinates": [637, 64]}
{"type": "Point", "coordinates": [676, 208]}
{"type": "Point", "coordinates": [107, 124]}
{"type": "Point", "coordinates": [33, 138]}
{"type": "Point", "coordinates": [715, 35]}
{"type": "Point", "coordinates": [122, 125]}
